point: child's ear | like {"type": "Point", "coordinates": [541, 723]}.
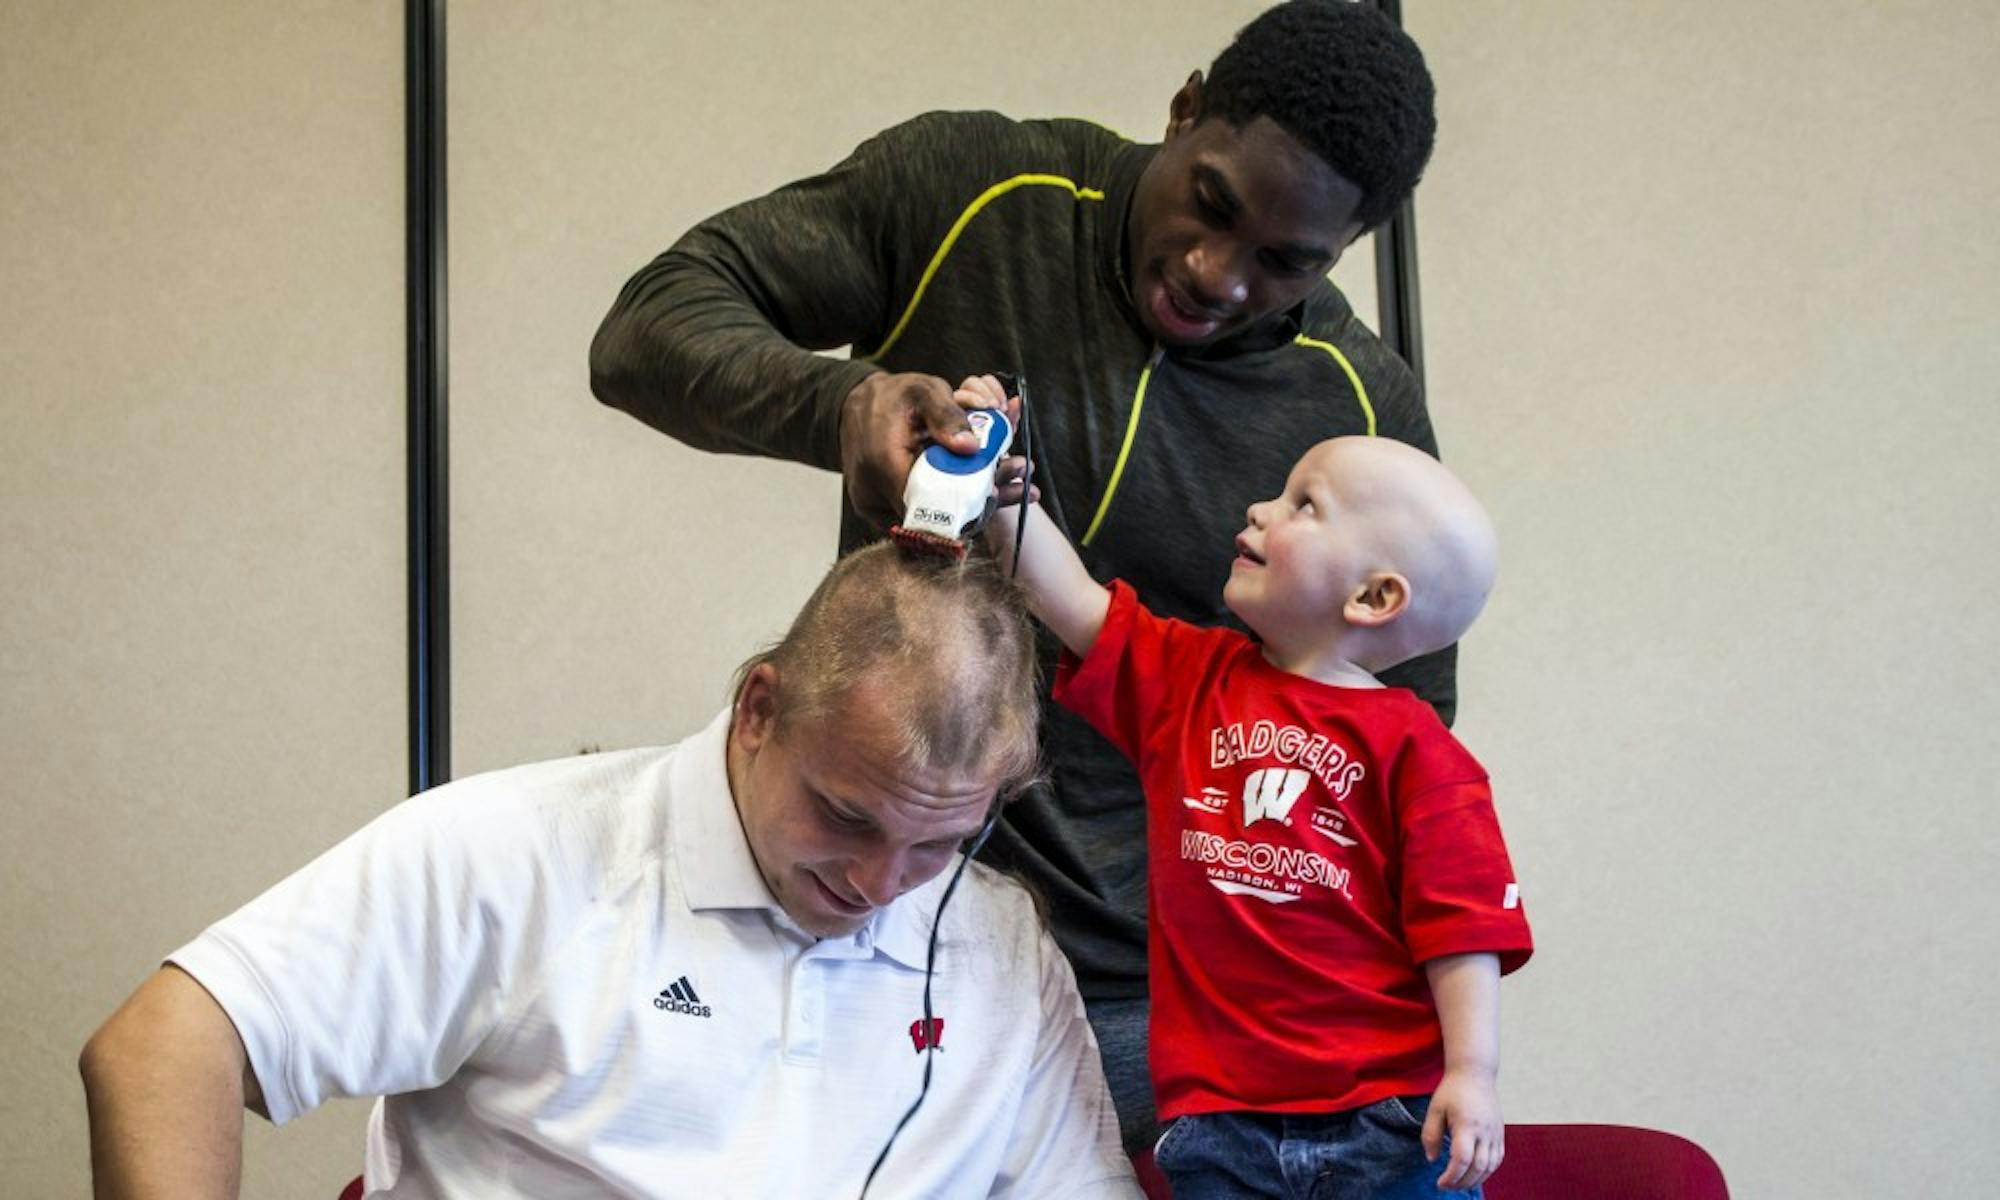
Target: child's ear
{"type": "Point", "coordinates": [1379, 601]}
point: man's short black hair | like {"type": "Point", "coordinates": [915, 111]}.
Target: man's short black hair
{"type": "Point", "coordinates": [1343, 79]}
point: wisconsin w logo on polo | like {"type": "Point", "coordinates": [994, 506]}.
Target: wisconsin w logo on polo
{"type": "Point", "coordinates": [927, 1037]}
{"type": "Point", "coordinates": [679, 997]}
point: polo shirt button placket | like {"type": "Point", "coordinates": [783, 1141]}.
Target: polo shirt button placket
{"type": "Point", "coordinates": [802, 1044]}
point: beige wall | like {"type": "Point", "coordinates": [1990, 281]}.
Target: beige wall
{"type": "Point", "coordinates": [201, 564]}
{"type": "Point", "coordinates": [1708, 301]}
{"type": "Point", "coordinates": [1710, 293]}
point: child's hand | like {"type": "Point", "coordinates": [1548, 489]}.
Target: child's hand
{"type": "Point", "coordinates": [1468, 1105]}
{"type": "Point", "coordinates": [980, 391]}
{"type": "Point", "coordinates": [1010, 476]}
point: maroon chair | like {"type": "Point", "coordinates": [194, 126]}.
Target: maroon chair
{"type": "Point", "coordinates": [352, 1191]}
{"type": "Point", "coordinates": [1152, 1180]}
{"type": "Point", "coordinates": [1603, 1162]}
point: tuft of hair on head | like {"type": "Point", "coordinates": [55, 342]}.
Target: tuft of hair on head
{"type": "Point", "coordinates": [1343, 79]}
{"type": "Point", "coordinates": [944, 649]}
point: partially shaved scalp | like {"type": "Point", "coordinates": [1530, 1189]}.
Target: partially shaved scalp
{"type": "Point", "coordinates": [944, 648]}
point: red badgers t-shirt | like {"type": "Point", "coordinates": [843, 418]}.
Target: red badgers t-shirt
{"type": "Point", "coordinates": [1309, 848]}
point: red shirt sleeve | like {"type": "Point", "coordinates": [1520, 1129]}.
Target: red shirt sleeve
{"type": "Point", "coordinates": [1122, 684]}
{"type": "Point", "coordinates": [1458, 891]}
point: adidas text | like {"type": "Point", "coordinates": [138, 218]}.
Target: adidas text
{"type": "Point", "coordinates": [679, 996]}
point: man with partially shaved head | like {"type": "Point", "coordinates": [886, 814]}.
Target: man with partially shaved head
{"type": "Point", "coordinates": [720, 968]}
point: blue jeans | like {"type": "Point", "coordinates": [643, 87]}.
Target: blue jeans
{"type": "Point", "coordinates": [1370, 1153]}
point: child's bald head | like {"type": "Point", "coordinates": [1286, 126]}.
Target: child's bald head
{"type": "Point", "coordinates": [1370, 536]}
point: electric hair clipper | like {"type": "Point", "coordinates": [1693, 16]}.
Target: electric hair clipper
{"type": "Point", "coordinates": [949, 496]}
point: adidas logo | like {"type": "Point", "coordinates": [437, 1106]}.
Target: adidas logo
{"type": "Point", "coordinates": [679, 997]}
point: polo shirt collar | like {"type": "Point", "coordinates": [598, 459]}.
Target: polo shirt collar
{"type": "Point", "coordinates": [903, 930]}
{"type": "Point", "coordinates": [718, 871]}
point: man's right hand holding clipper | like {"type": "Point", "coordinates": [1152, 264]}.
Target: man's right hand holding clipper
{"type": "Point", "coordinates": [885, 423]}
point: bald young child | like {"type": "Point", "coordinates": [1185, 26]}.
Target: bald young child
{"type": "Point", "coordinates": [1331, 904]}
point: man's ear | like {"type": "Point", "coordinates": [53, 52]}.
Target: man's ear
{"type": "Point", "coordinates": [1184, 110]}
{"type": "Point", "coordinates": [1379, 601]}
{"type": "Point", "coordinates": [755, 717]}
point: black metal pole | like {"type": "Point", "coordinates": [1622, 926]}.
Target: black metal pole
{"type": "Point", "coordinates": [424, 273]}
{"type": "Point", "coordinates": [1396, 268]}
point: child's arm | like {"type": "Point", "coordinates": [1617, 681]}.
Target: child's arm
{"type": "Point", "coordinates": [1466, 989]}
{"type": "Point", "coordinates": [1060, 591]}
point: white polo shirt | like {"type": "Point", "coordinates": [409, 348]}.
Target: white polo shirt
{"type": "Point", "coordinates": [568, 979]}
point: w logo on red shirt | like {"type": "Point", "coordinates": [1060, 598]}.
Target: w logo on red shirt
{"type": "Point", "coordinates": [931, 1038]}
{"type": "Point", "coordinates": [1268, 794]}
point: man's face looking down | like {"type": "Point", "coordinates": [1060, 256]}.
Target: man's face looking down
{"type": "Point", "coordinates": [838, 818]}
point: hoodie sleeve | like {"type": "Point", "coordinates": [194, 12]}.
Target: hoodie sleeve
{"type": "Point", "coordinates": [713, 342]}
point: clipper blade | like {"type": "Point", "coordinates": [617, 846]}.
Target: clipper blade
{"type": "Point", "coordinates": [921, 542]}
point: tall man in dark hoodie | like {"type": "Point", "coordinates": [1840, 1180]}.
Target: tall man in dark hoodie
{"type": "Point", "coordinates": [1167, 304]}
